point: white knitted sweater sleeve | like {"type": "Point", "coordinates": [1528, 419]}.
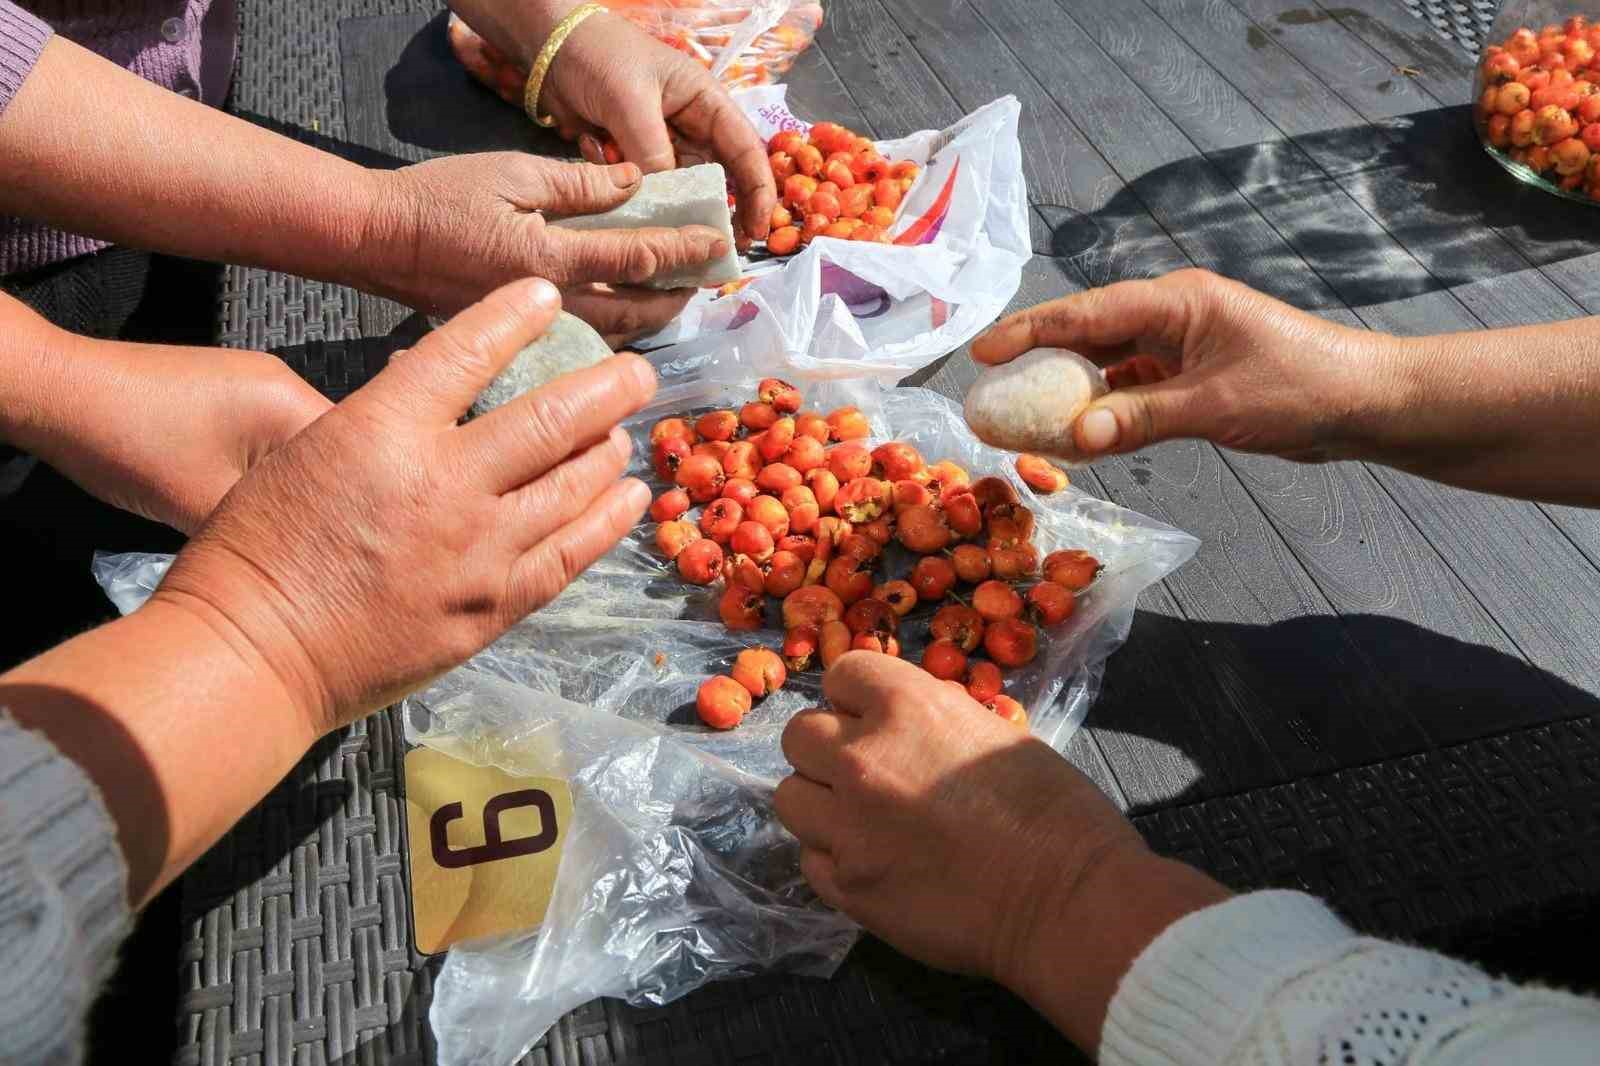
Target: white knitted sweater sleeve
{"type": "Point", "coordinates": [63, 899]}
{"type": "Point", "coordinates": [1275, 979]}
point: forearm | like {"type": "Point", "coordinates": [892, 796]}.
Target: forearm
{"type": "Point", "coordinates": [29, 347]}
{"type": "Point", "coordinates": [179, 726]}
{"type": "Point", "coordinates": [1086, 939]}
{"type": "Point", "coordinates": [89, 147]}
{"type": "Point", "coordinates": [1510, 411]}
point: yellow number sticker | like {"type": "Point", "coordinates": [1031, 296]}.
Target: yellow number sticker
{"type": "Point", "coordinates": [485, 848]}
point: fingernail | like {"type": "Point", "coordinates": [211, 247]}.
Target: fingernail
{"type": "Point", "coordinates": [624, 175]}
{"type": "Point", "coordinates": [543, 295]}
{"type": "Point", "coordinates": [638, 494]}
{"type": "Point", "coordinates": [1098, 430]}
{"type": "Point", "coordinates": [622, 442]}
{"type": "Point", "coordinates": [589, 147]}
{"type": "Point", "coordinates": [719, 247]}
{"type": "Point", "coordinates": [643, 373]}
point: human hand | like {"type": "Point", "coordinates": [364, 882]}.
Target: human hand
{"type": "Point", "coordinates": [623, 313]}
{"type": "Point", "coordinates": [1192, 354]}
{"type": "Point", "coordinates": [661, 107]}
{"type": "Point", "coordinates": [387, 543]}
{"type": "Point", "coordinates": [161, 431]}
{"type": "Point", "coordinates": [971, 846]}
{"type": "Point", "coordinates": [611, 79]}
{"type": "Point", "coordinates": [935, 823]}
{"type": "Point", "coordinates": [446, 232]}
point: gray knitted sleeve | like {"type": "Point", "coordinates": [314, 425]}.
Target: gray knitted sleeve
{"type": "Point", "coordinates": [63, 899]}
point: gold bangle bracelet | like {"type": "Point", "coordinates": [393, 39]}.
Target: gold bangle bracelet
{"type": "Point", "coordinates": [547, 55]}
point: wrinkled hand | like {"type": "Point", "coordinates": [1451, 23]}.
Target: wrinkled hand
{"type": "Point", "coordinates": [612, 78]}
{"type": "Point", "coordinates": [937, 825]}
{"type": "Point", "coordinates": [387, 543]}
{"type": "Point", "coordinates": [166, 432]}
{"type": "Point", "coordinates": [448, 231]}
{"type": "Point", "coordinates": [1195, 355]}
{"type": "Point", "coordinates": [622, 313]}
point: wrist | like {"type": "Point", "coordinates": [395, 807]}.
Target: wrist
{"type": "Point", "coordinates": [280, 719]}
{"type": "Point", "coordinates": [1086, 935]}
{"type": "Point", "coordinates": [218, 592]}
{"type": "Point", "coordinates": [1386, 378]}
{"type": "Point", "coordinates": [390, 260]}
{"type": "Point", "coordinates": [34, 356]}
{"type": "Point", "coordinates": [519, 29]}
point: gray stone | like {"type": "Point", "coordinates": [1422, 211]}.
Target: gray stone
{"type": "Point", "coordinates": [569, 344]}
{"type": "Point", "coordinates": [1030, 403]}
{"type": "Point", "coordinates": [690, 196]}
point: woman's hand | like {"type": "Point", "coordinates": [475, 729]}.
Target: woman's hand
{"type": "Point", "coordinates": [971, 846]}
{"type": "Point", "coordinates": [185, 425]}
{"type": "Point", "coordinates": [612, 79]}
{"type": "Point", "coordinates": [1510, 411]}
{"type": "Point", "coordinates": [445, 232]}
{"type": "Point", "coordinates": [161, 431]}
{"type": "Point", "coordinates": [1195, 355]}
{"type": "Point", "coordinates": [189, 180]}
{"type": "Point", "coordinates": [387, 543]}
{"type": "Point", "coordinates": [376, 549]}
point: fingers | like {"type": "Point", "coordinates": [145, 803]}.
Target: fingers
{"type": "Point", "coordinates": [518, 441]}
{"type": "Point", "coordinates": [820, 873]}
{"type": "Point", "coordinates": [1104, 325]}
{"type": "Point", "coordinates": [539, 508]}
{"type": "Point", "coordinates": [712, 118]}
{"type": "Point", "coordinates": [808, 810]}
{"type": "Point", "coordinates": [623, 314]}
{"type": "Point", "coordinates": [811, 742]}
{"type": "Point", "coordinates": [563, 189]}
{"type": "Point", "coordinates": [551, 565]}
{"type": "Point", "coordinates": [641, 133]}
{"type": "Point", "coordinates": [862, 683]}
{"type": "Point", "coordinates": [629, 256]}
{"type": "Point", "coordinates": [443, 374]}
{"type": "Point", "coordinates": [1138, 370]}
{"type": "Point", "coordinates": [1132, 418]}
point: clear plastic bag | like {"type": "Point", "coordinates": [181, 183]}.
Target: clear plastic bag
{"type": "Point", "coordinates": [676, 872]}
{"type": "Point", "coordinates": [743, 43]}
{"type": "Point", "coordinates": [851, 308]}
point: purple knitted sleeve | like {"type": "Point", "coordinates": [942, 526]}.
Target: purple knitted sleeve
{"type": "Point", "coordinates": [22, 38]}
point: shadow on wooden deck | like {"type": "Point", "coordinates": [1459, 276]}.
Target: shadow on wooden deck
{"type": "Point", "coordinates": [1440, 195]}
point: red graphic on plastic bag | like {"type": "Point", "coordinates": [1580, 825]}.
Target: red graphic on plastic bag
{"type": "Point", "coordinates": [857, 293]}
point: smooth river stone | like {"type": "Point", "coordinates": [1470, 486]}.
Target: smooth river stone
{"type": "Point", "coordinates": [691, 196]}
{"type": "Point", "coordinates": [1030, 403]}
{"type": "Point", "coordinates": [569, 344]}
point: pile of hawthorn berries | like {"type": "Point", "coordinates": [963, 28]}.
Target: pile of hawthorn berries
{"type": "Point", "coordinates": [794, 505]}
{"type": "Point", "coordinates": [833, 182]}
{"type": "Point", "coordinates": [1541, 102]}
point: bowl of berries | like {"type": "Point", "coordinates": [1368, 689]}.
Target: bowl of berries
{"type": "Point", "coordinates": [1537, 94]}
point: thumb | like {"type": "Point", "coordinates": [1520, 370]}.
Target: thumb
{"type": "Point", "coordinates": [1133, 418]}
{"type": "Point", "coordinates": [440, 377]}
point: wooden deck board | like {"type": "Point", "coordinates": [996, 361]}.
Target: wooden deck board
{"type": "Point", "coordinates": [1200, 492]}
{"type": "Point", "coordinates": [1413, 584]}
